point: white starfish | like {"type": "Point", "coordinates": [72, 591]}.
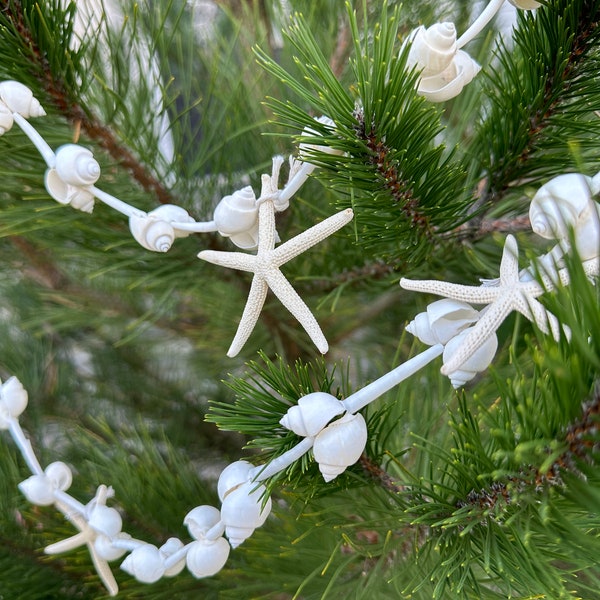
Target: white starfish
{"type": "Point", "coordinates": [508, 295]}
{"type": "Point", "coordinates": [87, 535]}
{"type": "Point", "coordinates": [265, 265]}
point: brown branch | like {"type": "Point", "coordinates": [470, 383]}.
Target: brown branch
{"type": "Point", "coordinates": [75, 113]}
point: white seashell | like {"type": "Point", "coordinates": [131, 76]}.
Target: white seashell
{"type": "Point", "coordinates": [145, 564]}
{"type": "Point", "coordinates": [153, 234]}
{"type": "Point", "coordinates": [309, 131]}
{"type": "Point", "coordinates": [106, 550]}
{"type": "Point", "coordinates": [340, 445]}
{"type": "Point", "coordinates": [207, 557]}
{"type": "Point", "coordinates": [171, 213]}
{"type": "Point", "coordinates": [38, 489]}
{"type": "Point", "coordinates": [236, 217]}
{"type": "Point", "coordinates": [312, 413]}
{"type": "Point", "coordinates": [566, 203]}
{"type": "Point", "coordinates": [105, 520]}
{"type": "Point", "coordinates": [65, 193]}
{"type": "Point", "coordinates": [6, 118]}
{"type": "Point", "coordinates": [60, 475]}
{"type": "Point", "coordinates": [170, 547]}
{"type": "Point", "coordinates": [433, 49]}
{"type": "Point", "coordinates": [242, 511]}
{"type": "Point", "coordinates": [13, 401]}
{"type": "Point", "coordinates": [232, 477]}
{"type": "Point", "coordinates": [201, 519]}
{"type": "Point", "coordinates": [442, 321]}
{"type": "Point", "coordinates": [76, 165]}
{"type": "Point", "coordinates": [19, 99]}
{"type": "Point", "coordinates": [478, 362]}
{"type": "Point", "coordinates": [450, 82]}
{"type": "Point", "coordinates": [525, 4]}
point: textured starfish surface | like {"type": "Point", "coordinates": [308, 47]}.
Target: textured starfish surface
{"type": "Point", "coordinates": [265, 265]}
{"type": "Point", "coordinates": [508, 295]}
{"type": "Point", "coordinates": [86, 536]}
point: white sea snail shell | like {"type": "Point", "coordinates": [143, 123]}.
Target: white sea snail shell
{"type": "Point", "coordinates": [477, 363]}
{"type": "Point", "coordinates": [340, 445]}
{"type": "Point", "coordinates": [207, 557]}
{"type": "Point", "coordinates": [39, 489]}
{"type": "Point", "coordinates": [236, 217]}
{"type": "Point", "coordinates": [445, 69]}
{"type": "Point", "coordinates": [13, 401]}
{"type": "Point", "coordinates": [155, 231]}
{"type": "Point", "coordinates": [19, 99]}
{"type": "Point", "coordinates": [170, 547]}
{"type": "Point", "coordinates": [6, 118]}
{"type": "Point", "coordinates": [312, 413]}
{"type": "Point", "coordinates": [145, 563]}
{"type": "Point", "coordinates": [566, 202]}
{"type": "Point", "coordinates": [442, 321]}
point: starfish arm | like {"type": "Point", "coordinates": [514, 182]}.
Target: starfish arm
{"type": "Point", "coordinates": [536, 312]}
{"type": "Point", "coordinates": [254, 304]}
{"type": "Point", "coordinates": [288, 296]}
{"type": "Point", "coordinates": [310, 237]}
{"type": "Point", "coordinates": [487, 325]}
{"type": "Point", "coordinates": [104, 571]}
{"type": "Point", "coordinates": [70, 543]}
{"type": "Point", "coordinates": [467, 293]}
{"type": "Point", "coordinates": [509, 265]}
{"type": "Point", "coordinates": [266, 226]}
{"type": "Point", "coordinates": [233, 260]}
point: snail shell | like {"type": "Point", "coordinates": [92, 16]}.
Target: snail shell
{"type": "Point", "coordinates": [170, 547]}
{"type": "Point", "coordinates": [207, 557]}
{"type": "Point", "coordinates": [39, 489]}
{"type": "Point", "coordinates": [433, 49]}
{"type": "Point", "coordinates": [145, 563]}
{"type": "Point", "coordinates": [105, 520]}
{"type": "Point", "coordinates": [450, 82]}
{"type": "Point", "coordinates": [6, 118]}
{"type": "Point", "coordinates": [200, 519]}
{"type": "Point", "coordinates": [153, 234]}
{"type": "Point", "coordinates": [13, 401]}
{"type": "Point", "coordinates": [312, 413]}
{"type": "Point", "coordinates": [19, 98]}
{"type": "Point", "coordinates": [242, 511]}
{"type": "Point", "coordinates": [65, 193]}
{"type": "Point", "coordinates": [340, 445]}
{"type": "Point", "coordinates": [236, 217]}
{"type": "Point", "coordinates": [442, 321]}
{"type": "Point", "coordinates": [76, 165]}
{"type": "Point", "coordinates": [232, 477]}
{"type": "Point", "coordinates": [477, 363]}
{"type": "Point", "coordinates": [565, 203]}
{"type": "Point", "coordinates": [171, 213]}
{"type": "Point", "coordinates": [106, 549]}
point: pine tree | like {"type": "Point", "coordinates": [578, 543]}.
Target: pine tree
{"type": "Point", "coordinates": [490, 490]}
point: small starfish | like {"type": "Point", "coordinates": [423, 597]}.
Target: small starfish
{"type": "Point", "coordinates": [87, 535]}
{"type": "Point", "coordinates": [265, 266]}
{"type": "Point", "coordinates": [508, 295]}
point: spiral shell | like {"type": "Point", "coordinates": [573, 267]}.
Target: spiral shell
{"type": "Point", "coordinates": [6, 118]}
{"type": "Point", "coordinates": [201, 519]}
{"type": "Point", "coordinates": [433, 49]}
{"type": "Point", "coordinates": [236, 217]}
{"type": "Point", "coordinates": [19, 99]}
{"type": "Point", "coordinates": [64, 193]}
{"type": "Point", "coordinates": [340, 445]}
{"type": "Point", "coordinates": [105, 548]}
{"type": "Point", "coordinates": [76, 165]}
{"type": "Point", "coordinates": [171, 213]}
{"type": "Point", "coordinates": [168, 549]}
{"type": "Point", "coordinates": [145, 563]}
{"type": "Point", "coordinates": [442, 321]}
{"type": "Point", "coordinates": [13, 401]}
{"type": "Point", "coordinates": [232, 477]}
{"type": "Point", "coordinates": [478, 362]}
{"type": "Point", "coordinates": [39, 489]}
{"type": "Point", "coordinates": [153, 234]}
{"type": "Point", "coordinates": [312, 413]}
{"type": "Point", "coordinates": [242, 511]}
{"type": "Point", "coordinates": [105, 520]}
{"type": "Point", "coordinates": [207, 557]}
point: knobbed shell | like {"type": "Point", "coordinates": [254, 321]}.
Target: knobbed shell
{"type": "Point", "coordinates": [478, 362]}
{"type": "Point", "coordinates": [151, 233]}
{"type": "Point", "coordinates": [242, 511]}
{"type": "Point", "coordinates": [76, 165]}
{"type": "Point", "coordinates": [236, 217]}
{"type": "Point", "coordinates": [13, 401]}
{"type": "Point", "coordinates": [39, 489]}
{"type": "Point", "coordinates": [340, 445]}
{"type": "Point", "coordinates": [145, 563]}
{"type": "Point", "coordinates": [207, 557]}
{"type": "Point", "coordinates": [312, 413]}
{"type": "Point", "coordinates": [19, 99]}
{"type": "Point", "coordinates": [445, 69]}
{"type": "Point", "coordinates": [565, 203]}
{"type": "Point", "coordinates": [442, 321]}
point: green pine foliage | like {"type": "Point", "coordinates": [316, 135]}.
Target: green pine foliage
{"type": "Point", "coordinates": [491, 492]}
